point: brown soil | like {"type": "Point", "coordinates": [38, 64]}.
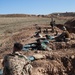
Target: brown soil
{"type": "Point", "coordinates": [70, 24]}
{"type": "Point", "coordinates": [59, 61]}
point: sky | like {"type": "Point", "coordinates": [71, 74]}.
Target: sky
{"type": "Point", "coordinates": [36, 6]}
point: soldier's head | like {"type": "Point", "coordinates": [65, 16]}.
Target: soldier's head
{"type": "Point", "coordinates": [17, 47]}
{"type": "Point", "coordinates": [46, 36]}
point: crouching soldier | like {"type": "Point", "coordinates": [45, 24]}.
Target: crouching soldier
{"type": "Point", "coordinates": [63, 37]}
{"type": "Point", "coordinates": [38, 34]}
{"type": "Point", "coordinates": [16, 63]}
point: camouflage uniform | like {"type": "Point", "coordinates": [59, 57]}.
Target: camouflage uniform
{"type": "Point", "coordinates": [63, 36]}
{"type": "Point", "coordinates": [52, 23]}
{"type": "Point", "coordinates": [16, 64]}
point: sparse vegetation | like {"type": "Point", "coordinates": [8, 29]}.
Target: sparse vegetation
{"type": "Point", "coordinates": [16, 23]}
{"type": "Point", "coordinates": [21, 29]}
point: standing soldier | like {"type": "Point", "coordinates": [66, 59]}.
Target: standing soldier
{"type": "Point", "coordinates": [52, 23]}
{"type": "Point", "coordinates": [16, 63]}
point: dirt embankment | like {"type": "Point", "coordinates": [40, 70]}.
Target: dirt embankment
{"type": "Point", "coordinates": [54, 63]}
{"type": "Point", "coordinates": [70, 25]}
{"type": "Point", "coordinates": [59, 61]}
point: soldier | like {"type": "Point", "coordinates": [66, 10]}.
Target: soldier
{"type": "Point", "coordinates": [56, 33]}
{"type": "Point", "coordinates": [16, 63]}
{"type": "Point", "coordinates": [48, 37]}
{"type": "Point", "coordinates": [64, 28]}
{"type": "Point", "coordinates": [64, 36]}
{"type": "Point", "coordinates": [52, 23]}
{"type": "Point", "coordinates": [42, 45]}
{"type": "Point", "coordinates": [38, 34]}
{"type": "Point", "coordinates": [39, 29]}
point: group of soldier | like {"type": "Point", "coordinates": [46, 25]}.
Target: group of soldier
{"type": "Point", "coordinates": [63, 37]}
{"type": "Point", "coordinates": [18, 64]}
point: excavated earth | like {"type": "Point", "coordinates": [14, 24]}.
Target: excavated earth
{"type": "Point", "coordinates": [70, 25]}
{"type": "Point", "coordinates": [59, 61]}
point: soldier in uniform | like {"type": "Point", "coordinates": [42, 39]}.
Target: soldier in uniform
{"type": "Point", "coordinates": [64, 36]}
{"type": "Point", "coordinates": [16, 63]}
{"type": "Point", "coordinates": [42, 45]}
{"type": "Point", "coordinates": [52, 23]}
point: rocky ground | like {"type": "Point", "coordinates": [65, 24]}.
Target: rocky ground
{"type": "Point", "coordinates": [59, 61]}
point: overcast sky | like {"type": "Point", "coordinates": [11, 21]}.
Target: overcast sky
{"type": "Point", "coordinates": [36, 6]}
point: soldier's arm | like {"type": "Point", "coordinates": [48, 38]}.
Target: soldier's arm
{"type": "Point", "coordinates": [4, 60]}
{"type": "Point", "coordinates": [3, 63]}
{"type": "Point", "coordinates": [28, 61]}
{"type": "Point", "coordinates": [26, 58]}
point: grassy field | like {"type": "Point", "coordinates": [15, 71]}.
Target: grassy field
{"type": "Point", "coordinates": [9, 25]}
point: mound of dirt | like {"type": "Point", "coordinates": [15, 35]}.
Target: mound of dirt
{"type": "Point", "coordinates": [59, 61]}
{"type": "Point", "coordinates": [60, 26]}
{"type": "Point", "coordinates": [70, 25]}
{"type": "Point", "coordinates": [55, 63]}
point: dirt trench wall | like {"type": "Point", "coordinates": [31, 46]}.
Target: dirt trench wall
{"type": "Point", "coordinates": [55, 64]}
{"type": "Point", "coordinates": [71, 30]}
{"type": "Point", "coordinates": [70, 25]}
{"type": "Point", "coordinates": [62, 45]}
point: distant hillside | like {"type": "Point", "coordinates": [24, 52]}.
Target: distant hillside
{"type": "Point", "coordinates": [23, 15]}
{"type": "Point", "coordinates": [66, 14]}
{"type": "Point", "coordinates": [16, 15]}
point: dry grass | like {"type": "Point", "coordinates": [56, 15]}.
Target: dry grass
{"type": "Point", "coordinates": [54, 61]}
{"type": "Point", "coordinates": [15, 23]}
{"type": "Point", "coordinates": [9, 25]}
